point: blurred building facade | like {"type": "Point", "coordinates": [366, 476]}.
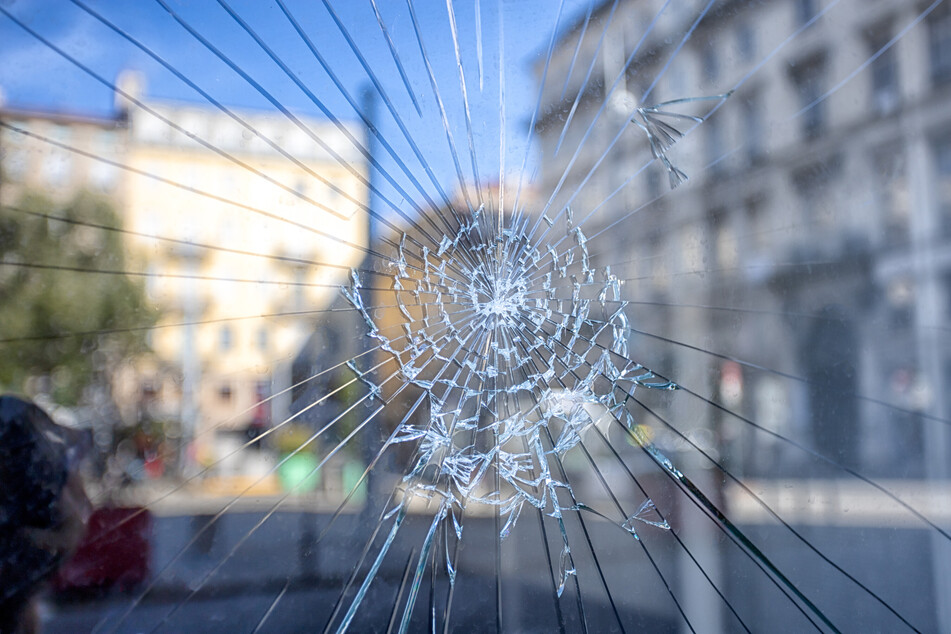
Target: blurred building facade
{"type": "Point", "coordinates": [800, 279]}
{"type": "Point", "coordinates": [32, 164]}
{"type": "Point", "coordinates": [220, 230]}
{"type": "Point", "coordinates": [819, 203]}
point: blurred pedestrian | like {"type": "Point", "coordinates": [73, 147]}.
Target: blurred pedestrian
{"type": "Point", "coordinates": [43, 508]}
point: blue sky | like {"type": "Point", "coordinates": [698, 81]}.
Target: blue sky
{"type": "Point", "coordinates": [31, 74]}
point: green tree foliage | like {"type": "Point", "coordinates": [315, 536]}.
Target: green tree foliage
{"type": "Point", "coordinates": [67, 311]}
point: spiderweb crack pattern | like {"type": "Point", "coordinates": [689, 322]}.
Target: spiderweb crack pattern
{"type": "Point", "coordinates": [551, 329]}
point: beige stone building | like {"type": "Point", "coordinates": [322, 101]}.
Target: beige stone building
{"type": "Point", "coordinates": [255, 284]}
{"type": "Point", "coordinates": [35, 155]}
{"type": "Point", "coordinates": [243, 247]}
{"type": "Point", "coordinates": [801, 277]}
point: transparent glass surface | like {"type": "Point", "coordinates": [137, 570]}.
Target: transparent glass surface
{"type": "Point", "coordinates": [541, 315]}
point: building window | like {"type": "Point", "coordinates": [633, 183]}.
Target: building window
{"type": "Point", "coordinates": [816, 195]}
{"type": "Point", "coordinates": [745, 41]}
{"type": "Point", "coordinates": [692, 247]}
{"type": "Point", "coordinates": [652, 176]}
{"type": "Point", "coordinates": [723, 250]}
{"type": "Point", "coordinates": [939, 34]}
{"type": "Point", "coordinates": [805, 10]}
{"type": "Point", "coordinates": [810, 79]}
{"type": "Point", "coordinates": [756, 235]}
{"type": "Point", "coordinates": [894, 203]}
{"type": "Point", "coordinates": [262, 338]}
{"type": "Point", "coordinates": [829, 356]}
{"type": "Point", "coordinates": [225, 339]}
{"type": "Point", "coordinates": [947, 295]}
{"type": "Point", "coordinates": [262, 408]}
{"type": "Point", "coordinates": [714, 145]}
{"type": "Point", "coordinates": [943, 184]}
{"type": "Point", "coordinates": [753, 128]}
{"type": "Point", "coordinates": [900, 296]}
{"type": "Point", "coordinates": [658, 262]}
{"type": "Point", "coordinates": [711, 64]}
{"type": "Point", "coordinates": [884, 72]}
{"type": "Point", "coordinates": [224, 391]}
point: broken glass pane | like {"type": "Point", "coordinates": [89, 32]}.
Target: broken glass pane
{"type": "Point", "coordinates": [482, 365]}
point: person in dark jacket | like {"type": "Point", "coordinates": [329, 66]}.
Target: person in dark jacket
{"type": "Point", "coordinates": [43, 509]}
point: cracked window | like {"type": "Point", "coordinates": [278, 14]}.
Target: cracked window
{"type": "Point", "coordinates": [570, 315]}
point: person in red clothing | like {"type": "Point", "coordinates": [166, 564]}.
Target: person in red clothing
{"type": "Point", "coordinates": [43, 508]}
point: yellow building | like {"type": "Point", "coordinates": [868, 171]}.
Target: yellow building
{"type": "Point", "coordinates": [34, 154]}
{"type": "Point", "coordinates": [246, 234]}
{"type": "Point", "coordinates": [232, 218]}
